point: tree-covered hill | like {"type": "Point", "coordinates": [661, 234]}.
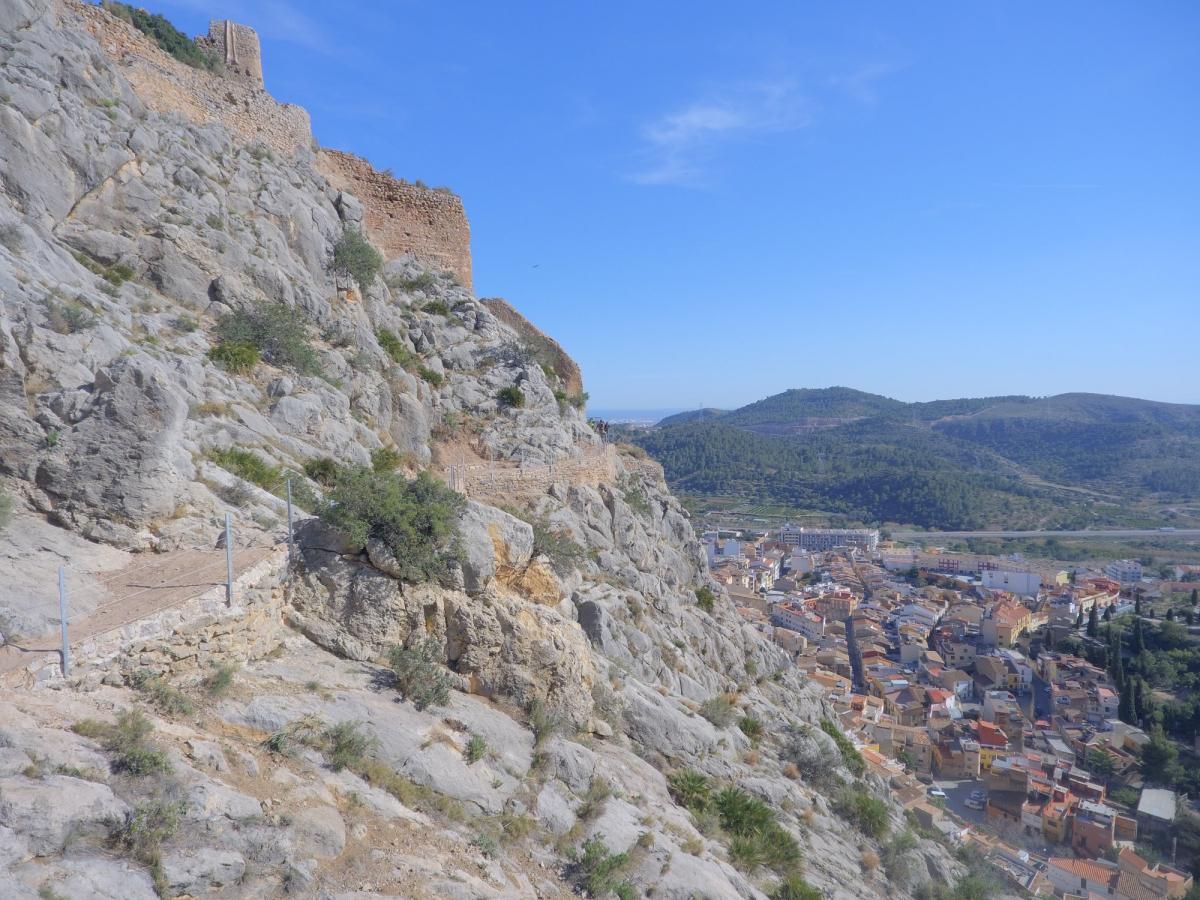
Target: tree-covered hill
{"type": "Point", "coordinates": [967, 463]}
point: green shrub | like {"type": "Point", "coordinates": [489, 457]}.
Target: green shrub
{"type": "Point", "coordinates": [598, 869]}
{"type": "Point", "coordinates": [395, 348]}
{"type": "Point", "coordinates": [511, 396]}
{"type": "Point", "coordinates": [555, 543]}
{"type": "Point", "coordinates": [544, 721]}
{"type": "Point", "coordinates": [220, 680]}
{"type": "Point", "coordinates": [323, 470]}
{"type": "Point", "coordinates": [69, 318]}
{"type": "Point", "coordinates": [386, 459]}
{"type": "Point", "coordinates": [752, 728]}
{"type": "Point", "coordinates": [235, 358]}
{"type": "Point", "coordinates": [690, 789]}
{"type": "Point", "coordinates": [247, 466]}
{"type": "Point", "coordinates": [706, 599]}
{"type": "Point", "coordinates": [346, 746]}
{"type": "Point", "coordinates": [419, 674]}
{"type": "Point", "coordinates": [436, 308]}
{"type": "Point", "coordinates": [159, 29]}
{"type": "Point", "coordinates": [431, 376]}
{"type": "Point", "coordinates": [850, 756]}
{"type": "Point", "coordinates": [165, 698]}
{"type": "Point", "coordinates": [579, 401]}
{"type": "Point", "coordinates": [422, 281]}
{"type": "Point", "coordinates": [866, 813]}
{"type": "Point", "coordinates": [184, 324]}
{"type": "Point", "coordinates": [353, 255]}
{"type": "Point", "coordinates": [794, 887]}
{"type": "Point", "coordinates": [416, 519]}
{"type": "Point", "coordinates": [128, 740]}
{"type": "Point", "coordinates": [476, 749]}
{"type": "Point", "coordinates": [6, 508]}
{"type": "Point", "coordinates": [719, 710]}
{"type": "Point", "coordinates": [142, 832]}
{"type": "Point", "coordinates": [277, 331]}
{"type": "Point", "coordinates": [757, 838]}
{"type": "Point", "coordinates": [599, 790]}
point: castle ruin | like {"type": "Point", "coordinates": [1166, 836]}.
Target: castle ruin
{"type": "Point", "coordinates": [236, 48]}
{"type": "Point", "coordinates": [401, 218]}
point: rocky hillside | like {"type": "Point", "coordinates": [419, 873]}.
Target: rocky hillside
{"type": "Point", "coordinates": [536, 701]}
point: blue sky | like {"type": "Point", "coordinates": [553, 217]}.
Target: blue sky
{"type": "Point", "coordinates": [709, 204]}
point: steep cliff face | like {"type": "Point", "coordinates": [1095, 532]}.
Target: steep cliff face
{"type": "Point", "coordinates": [585, 670]}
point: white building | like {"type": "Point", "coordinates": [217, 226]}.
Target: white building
{"type": "Point", "coordinates": [1126, 571]}
{"type": "Point", "coordinates": [1025, 584]}
{"type": "Point", "coordinates": [822, 539]}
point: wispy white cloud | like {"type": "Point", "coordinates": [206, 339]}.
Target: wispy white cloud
{"type": "Point", "coordinates": [678, 148]}
{"type": "Point", "coordinates": [861, 83]}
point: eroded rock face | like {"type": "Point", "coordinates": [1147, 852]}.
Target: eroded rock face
{"type": "Point", "coordinates": [124, 237]}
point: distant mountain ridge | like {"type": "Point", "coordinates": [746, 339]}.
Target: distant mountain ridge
{"type": "Point", "coordinates": [956, 463]}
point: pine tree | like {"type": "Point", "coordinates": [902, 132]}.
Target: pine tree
{"type": "Point", "coordinates": [1079, 620]}
{"type": "Point", "coordinates": [1139, 638]}
{"type": "Point", "coordinates": [1093, 622]}
{"type": "Point", "coordinates": [1195, 596]}
{"type": "Point", "coordinates": [1171, 614]}
{"type": "Point", "coordinates": [1137, 606]}
{"type": "Point", "coordinates": [1108, 613]}
{"type": "Point", "coordinates": [1125, 704]}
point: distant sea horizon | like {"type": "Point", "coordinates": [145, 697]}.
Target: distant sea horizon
{"type": "Point", "coordinates": [633, 416]}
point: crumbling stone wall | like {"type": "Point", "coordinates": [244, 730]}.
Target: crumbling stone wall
{"type": "Point", "coordinates": [236, 48]}
{"type": "Point", "coordinates": [235, 98]}
{"type": "Point", "coordinates": [405, 219]}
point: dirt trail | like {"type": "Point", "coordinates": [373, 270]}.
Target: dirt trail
{"type": "Point", "coordinates": [147, 586]}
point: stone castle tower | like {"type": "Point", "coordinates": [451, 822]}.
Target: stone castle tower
{"type": "Point", "coordinates": [236, 46]}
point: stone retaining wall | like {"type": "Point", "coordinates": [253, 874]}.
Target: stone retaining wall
{"type": "Point", "coordinates": [184, 639]}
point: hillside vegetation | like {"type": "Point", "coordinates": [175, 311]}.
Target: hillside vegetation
{"type": "Point", "coordinates": [1074, 460]}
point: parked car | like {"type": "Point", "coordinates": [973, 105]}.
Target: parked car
{"type": "Point", "coordinates": [978, 795]}
{"type": "Point", "coordinates": [937, 793]}
{"type": "Point", "coordinates": [973, 803]}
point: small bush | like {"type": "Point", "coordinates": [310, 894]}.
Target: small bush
{"type": "Point", "coordinates": [128, 740]}
{"type": "Point", "coordinates": [417, 520]}
{"type": "Point", "coordinates": [436, 308]}
{"type": "Point", "coordinates": [353, 255]}
{"type": "Point", "coordinates": [346, 746]}
{"type": "Point", "coordinates": [794, 887]}
{"type": "Point", "coordinates": [165, 698]}
{"type": "Point", "coordinates": [850, 756]}
{"type": "Point", "coordinates": [323, 470]}
{"type": "Point", "coordinates": [866, 813]}
{"type": "Point", "coordinates": [544, 721]}
{"type": "Point", "coordinates": [6, 508]}
{"type": "Point", "coordinates": [511, 397]}
{"type": "Point", "coordinates": [247, 466]}
{"type": "Point", "coordinates": [386, 459]}
{"type": "Point", "coordinates": [556, 544]}
{"type": "Point", "coordinates": [690, 789]}
{"type": "Point", "coordinates": [142, 832]}
{"type": "Point", "coordinates": [395, 348]}
{"type": "Point", "coordinates": [706, 599]}
{"type": "Point", "coordinates": [516, 827]}
{"type": "Point", "coordinates": [276, 330]}
{"type": "Point", "coordinates": [719, 710]}
{"type": "Point", "coordinates": [476, 749]}
{"type": "Point", "coordinates": [758, 840]}
{"type": "Point", "coordinates": [184, 324]}
{"type": "Point", "coordinates": [419, 674]}
{"type": "Point", "coordinates": [422, 281]}
{"type": "Point", "coordinates": [431, 376]}
{"type": "Point", "coordinates": [598, 792]}
{"type": "Point", "coordinates": [752, 728]}
{"type": "Point", "coordinates": [220, 680]}
{"type": "Point", "coordinates": [235, 358]}
{"type": "Point", "coordinates": [69, 318]}
{"type": "Point", "coordinates": [598, 869]}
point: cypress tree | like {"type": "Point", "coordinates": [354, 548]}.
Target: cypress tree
{"type": "Point", "coordinates": [1093, 622]}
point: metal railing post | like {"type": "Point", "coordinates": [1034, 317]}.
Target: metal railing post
{"type": "Point", "coordinates": [62, 618]}
{"type": "Point", "coordinates": [228, 559]}
{"type": "Point", "coordinates": [291, 554]}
